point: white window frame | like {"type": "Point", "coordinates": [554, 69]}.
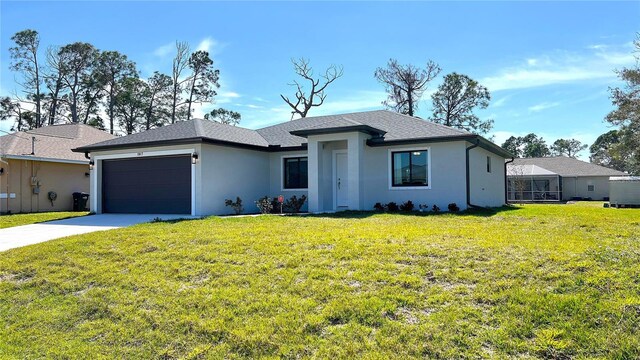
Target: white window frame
{"type": "Point", "coordinates": [390, 170]}
{"type": "Point", "coordinates": [281, 166]}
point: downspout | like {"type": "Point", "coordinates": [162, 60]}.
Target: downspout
{"type": "Point", "coordinates": [86, 154]}
{"type": "Point", "coordinates": [506, 186]}
{"type": "Point", "coordinates": [469, 204]}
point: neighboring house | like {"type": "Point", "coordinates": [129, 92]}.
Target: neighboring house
{"type": "Point", "coordinates": [557, 179]}
{"type": "Point", "coordinates": [348, 161]}
{"type": "Point", "coordinates": [36, 162]}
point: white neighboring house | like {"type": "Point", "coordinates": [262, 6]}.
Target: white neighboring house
{"type": "Point", "coordinates": [340, 162]}
{"type": "Point", "coordinates": [557, 178]}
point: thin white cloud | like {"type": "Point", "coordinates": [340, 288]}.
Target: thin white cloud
{"type": "Point", "coordinates": [543, 106]}
{"type": "Point", "coordinates": [500, 102]}
{"type": "Point", "coordinates": [164, 50]}
{"type": "Point", "coordinates": [207, 44]}
{"type": "Point", "coordinates": [598, 63]}
{"type": "Point", "coordinates": [226, 97]}
{"type": "Point", "coordinates": [359, 101]}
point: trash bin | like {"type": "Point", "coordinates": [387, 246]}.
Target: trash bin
{"type": "Point", "coordinates": [80, 200]}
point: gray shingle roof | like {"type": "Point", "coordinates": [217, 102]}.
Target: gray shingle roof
{"type": "Point", "coordinates": [566, 166]}
{"type": "Point", "coordinates": [195, 129]}
{"type": "Point", "coordinates": [52, 142]}
{"type": "Point", "coordinates": [394, 127]}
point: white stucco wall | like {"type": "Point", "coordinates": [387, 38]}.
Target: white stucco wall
{"type": "Point", "coordinates": [448, 179]}
{"type": "Point", "coordinates": [578, 187]}
{"type": "Point", "coordinates": [228, 172]}
{"type": "Point", "coordinates": [276, 176]}
{"type": "Point", "coordinates": [487, 189]}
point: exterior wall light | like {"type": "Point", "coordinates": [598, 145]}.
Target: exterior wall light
{"type": "Point", "coordinates": [91, 164]}
{"type": "Point", "coordinates": [194, 158]}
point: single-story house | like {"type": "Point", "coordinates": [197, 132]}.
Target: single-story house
{"type": "Point", "coordinates": [558, 178]}
{"type": "Point", "coordinates": [37, 163]}
{"type": "Point", "coordinates": [346, 161]}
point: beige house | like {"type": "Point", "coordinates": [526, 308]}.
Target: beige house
{"type": "Point", "coordinates": [38, 170]}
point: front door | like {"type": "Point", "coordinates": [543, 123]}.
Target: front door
{"type": "Point", "coordinates": [341, 180]}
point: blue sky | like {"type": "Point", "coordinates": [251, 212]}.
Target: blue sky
{"type": "Point", "coordinates": [547, 64]}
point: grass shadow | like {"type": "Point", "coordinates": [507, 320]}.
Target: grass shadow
{"type": "Point", "coordinates": [173, 221]}
{"type": "Point", "coordinates": [475, 212]}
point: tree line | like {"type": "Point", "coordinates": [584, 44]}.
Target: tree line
{"type": "Point", "coordinates": [82, 84]}
{"type": "Point", "coordinates": [79, 83]}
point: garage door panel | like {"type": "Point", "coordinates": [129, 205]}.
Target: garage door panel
{"type": "Point", "coordinates": [159, 185]}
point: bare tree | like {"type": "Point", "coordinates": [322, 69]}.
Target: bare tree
{"type": "Point", "coordinates": [405, 84]}
{"type": "Point", "coordinates": [518, 181]}
{"type": "Point", "coordinates": [180, 62]}
{"type": "Point", "coordinates": [304, 102]}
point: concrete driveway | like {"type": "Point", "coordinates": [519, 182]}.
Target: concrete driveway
{"type": "Point", "coordinates": [18, 236]}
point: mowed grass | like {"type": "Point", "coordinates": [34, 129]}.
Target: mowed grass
{"type": "Point", "coordinates": [7, 221]}
{"type": "Point", "coordinates": [538, 281]}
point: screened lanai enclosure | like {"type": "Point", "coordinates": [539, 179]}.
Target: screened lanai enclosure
{"type": "Point", "coordinates": [532, 183]}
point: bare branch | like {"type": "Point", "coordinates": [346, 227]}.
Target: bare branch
{"type": "Point", "coordinates": [317, 86]}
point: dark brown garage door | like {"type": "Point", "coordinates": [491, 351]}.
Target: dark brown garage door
{"type": "Point", "coordinates": [155, 185]}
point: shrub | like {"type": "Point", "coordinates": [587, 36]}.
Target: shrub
{"type": "Point", "coordinates": [407, 206]}
{"type": "Point", "coordinates": [453, 207]}
{"type": "Point", "coordinates": [276, 207]}
{"type": "Point", "coordinates": [435, 208]}
{"type": "Point", "coordinates": [423, 207]}
{"type": "Point", "coordinates": [294, 204]}
{"type": "Point", "coordinates": [392, 206]}
{"type": "Point", "coordinates": [378, 207]}
{"type": "Point", "coordinates": [265, 205]}
{"type": "Point", "coordinates": [236, 206]}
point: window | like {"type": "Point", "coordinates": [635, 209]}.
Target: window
{"type": "Point", "coordinates": [591, 188]}
{"type": "Point", "coordinates": [409, 168]}
{"type": "Point", "coordinates": [488, 164]}
{"type": "Point", "coordinates": [295, 173]}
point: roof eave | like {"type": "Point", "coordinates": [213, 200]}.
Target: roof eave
{"type": "Point", "coordinates": [198, 140]}
{"type": "Point", "coordinates": [482, 142]}
{"type": "Point", "coordinates": [336, 130]}
{"type": "Point", "coordinates": [44, 159]}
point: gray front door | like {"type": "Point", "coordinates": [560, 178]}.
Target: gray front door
{"type": "Point", "coordinates": [151, 185]}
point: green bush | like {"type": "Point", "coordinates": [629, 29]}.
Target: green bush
{"type": "Point", "coordinates": [236, 206]}
{"type": "Point", "coordinates": [265, 205]}
{"type": "Point", "coordinates": [294, 204]}
{"type": "Point", "coordinates": [407, 206]}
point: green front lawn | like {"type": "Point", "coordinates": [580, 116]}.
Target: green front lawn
{"type": "Point", "coordinates": [538, 281]}
{"type": "Point", "coordinates": [27, 219]}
